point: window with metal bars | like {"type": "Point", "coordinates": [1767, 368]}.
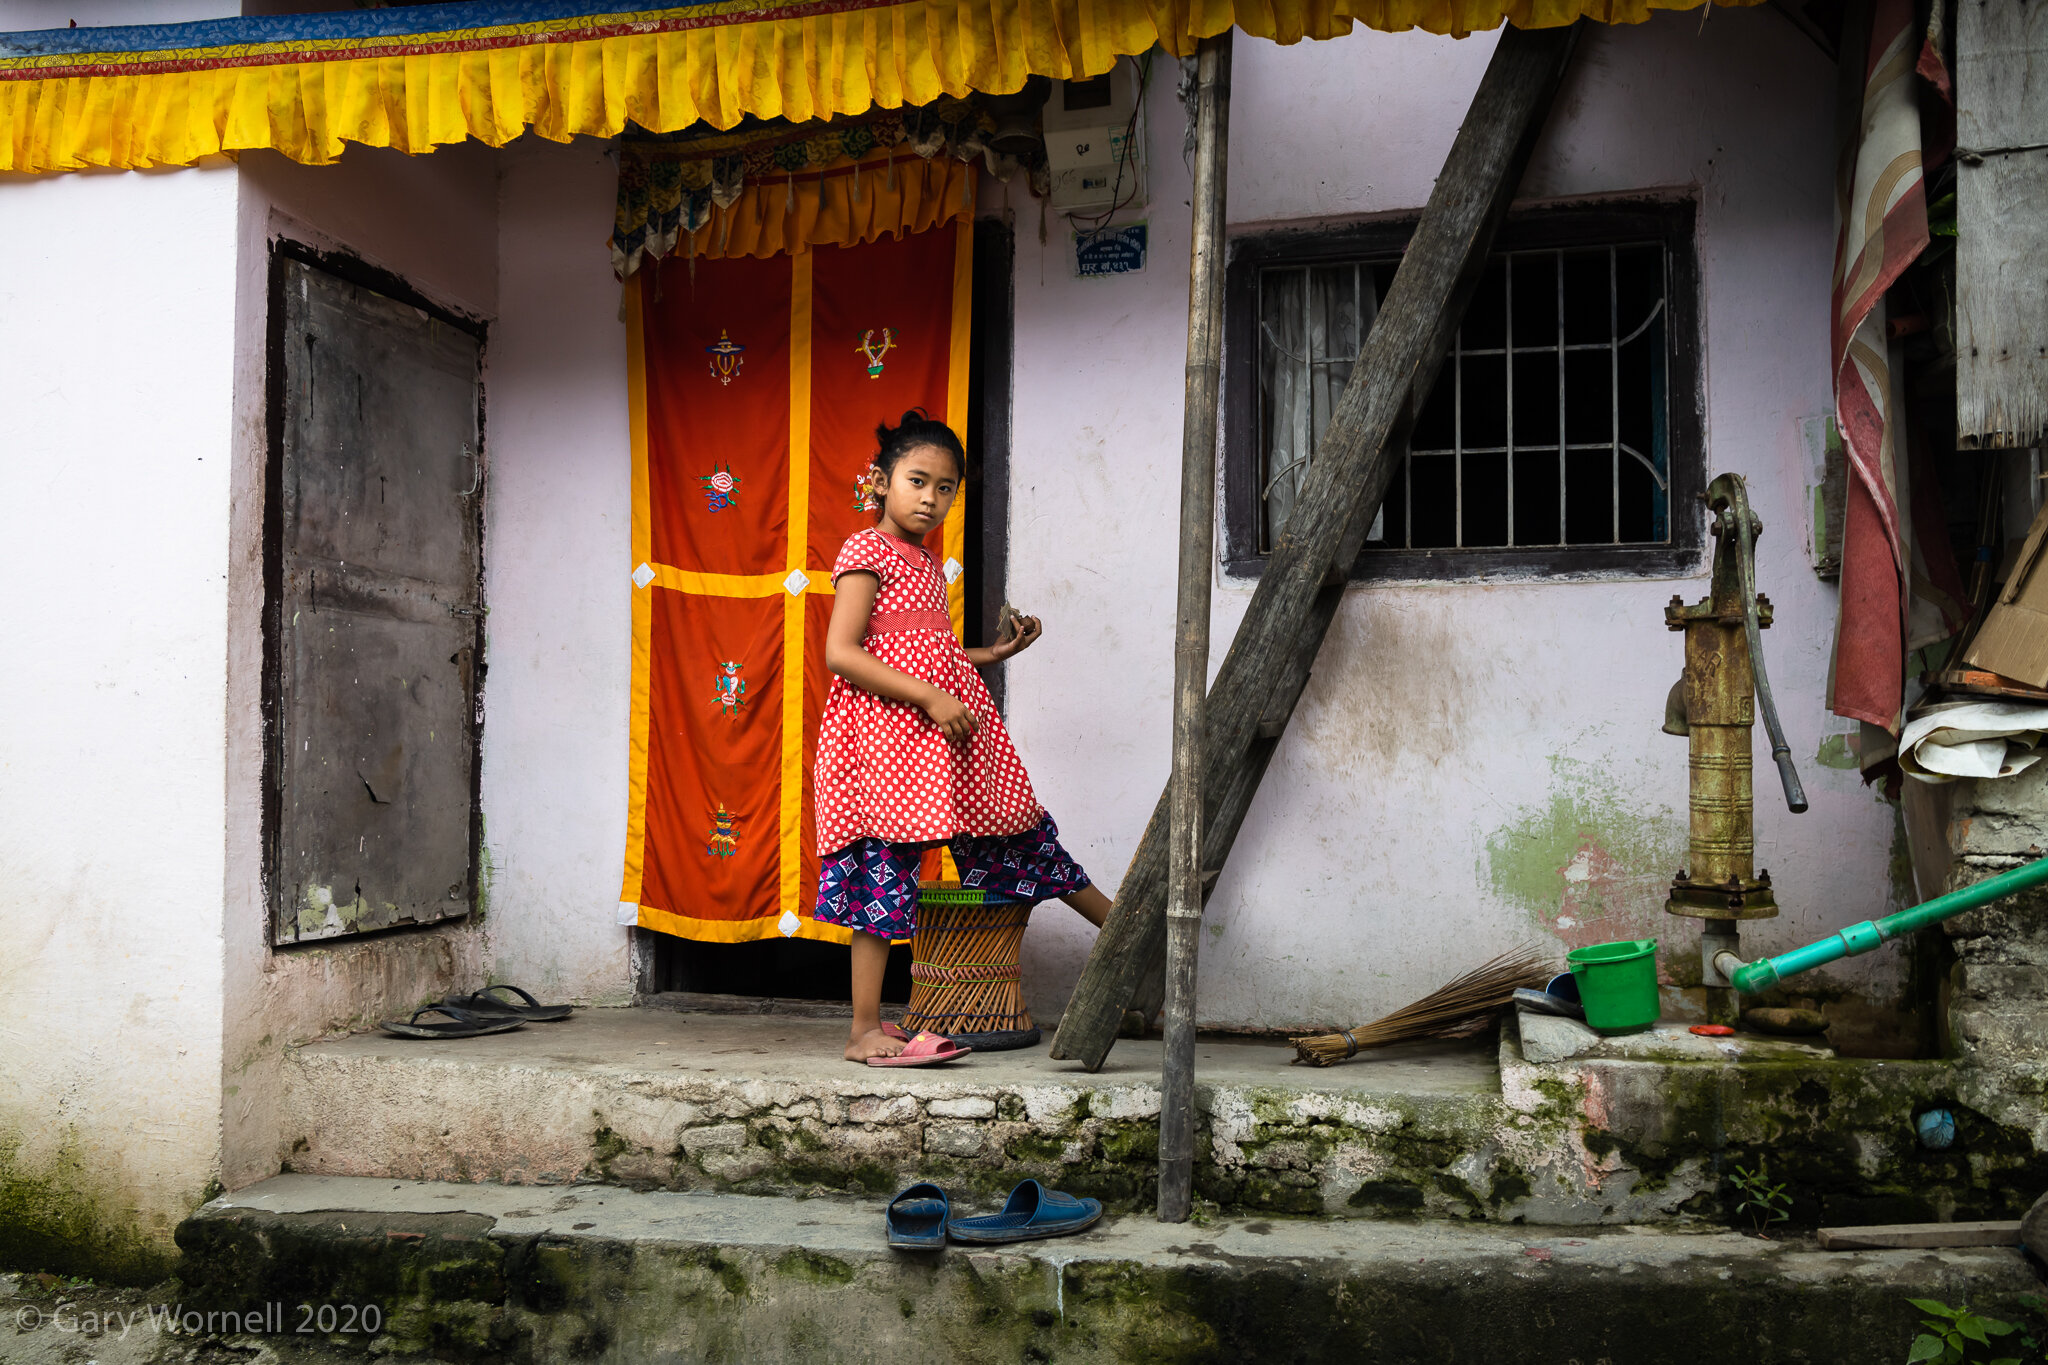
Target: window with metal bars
{"type": "Point", "coordinates": [1561, 434]}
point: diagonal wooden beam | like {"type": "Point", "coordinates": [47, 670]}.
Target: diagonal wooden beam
{"type": "Point", "coordinates": [1275, 647]}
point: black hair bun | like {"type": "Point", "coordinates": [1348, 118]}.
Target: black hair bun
{"type": "Point", "coordinates": [917, 428]}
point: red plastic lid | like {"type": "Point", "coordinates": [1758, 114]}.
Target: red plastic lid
{"type": "Point", "coordinates": [1713, 1030]}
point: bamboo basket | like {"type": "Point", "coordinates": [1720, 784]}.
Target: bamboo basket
{"type": "Point", "coordinates": [964, 977]}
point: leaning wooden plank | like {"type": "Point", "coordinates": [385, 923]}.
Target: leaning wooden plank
{"type": "Point", "coordinates": [1276, 644]}
{"type": "Point", "coordinates": [1920, 1235]}
{"type": "Point", "coordinates": [2002, 217]}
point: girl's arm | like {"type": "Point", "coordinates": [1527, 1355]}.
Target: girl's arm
{"type": "Point", "coordinates": [1028, 630]}
{"type": "Point", "coordinates": [853, 602]}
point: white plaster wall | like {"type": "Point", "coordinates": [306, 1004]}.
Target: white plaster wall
{"type": "Point", "coordinates": [432, 221]}
{"type": "Point", "coordinates": [116, 369]}
{"type": "Point", "coordinates": [1471, 760]}
{"type": "Point", "coordinates": [557, 550]}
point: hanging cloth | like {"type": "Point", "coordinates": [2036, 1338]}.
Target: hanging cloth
{"type": "Point", "coordinates": [671, 206]}
{"type": "Point", "coordinates": [1881, 216]}
{"type": "Point", "coordinates": [417, 77]}
{"type": "Point", "coordinates": [755, 385]}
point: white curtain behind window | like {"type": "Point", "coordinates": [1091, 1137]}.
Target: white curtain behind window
{"type": "Point", "coordinates": [1311, 324]}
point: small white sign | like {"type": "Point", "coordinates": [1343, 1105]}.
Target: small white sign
{"type": "Point", "coordinates": [643, 575]}
{"type": "Point", "coordinates": [796, 582]}
{"type": "Point", "coordinates": [789, 924]}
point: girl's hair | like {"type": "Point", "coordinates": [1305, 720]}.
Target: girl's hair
{"type": "Point", "coordinates": [917, 428]}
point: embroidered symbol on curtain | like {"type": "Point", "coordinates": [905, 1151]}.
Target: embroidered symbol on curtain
{"type": "Point", "coordinates": [724, 839]}
{"type": "Point", "coordinates": [732, 689]}
{"type": "Point", "coordinates": [719, 487]}
{"type": "Point", "coordinates": [726, 358]}
{"type": "Point", "coordinates": [864, 492]}
{"type": "Point", "coordinates": [875, 353]}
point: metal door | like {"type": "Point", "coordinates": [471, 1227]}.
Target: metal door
{"type": "Point", "coordinates": [375, 589]}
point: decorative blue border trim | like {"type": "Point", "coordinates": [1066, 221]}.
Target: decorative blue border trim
{"type": "Point", "coordinates": [407, 21]}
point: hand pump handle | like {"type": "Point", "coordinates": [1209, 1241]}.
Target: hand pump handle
{"type": "Point", "coordinates": [1743, 524]}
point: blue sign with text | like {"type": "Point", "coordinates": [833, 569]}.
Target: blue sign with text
{"type": "Point", "coordinates": [1110, 251]}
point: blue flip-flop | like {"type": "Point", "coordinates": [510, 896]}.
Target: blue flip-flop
{"type": "Point", "coordinates": [1032, 1211]}
{"type": "Point", "coordinates": [917, 1218]}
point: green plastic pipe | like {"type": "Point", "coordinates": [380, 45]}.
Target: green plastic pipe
{"type": "Point", "coordinates": [1862, 938]}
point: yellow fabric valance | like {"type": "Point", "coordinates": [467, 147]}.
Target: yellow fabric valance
{"type": "Point", "coordinates": [834, 182]}
{"type": "Point", "coordinates": [882, 194]}
{"type": "Point", "coordinates": [421, 77]}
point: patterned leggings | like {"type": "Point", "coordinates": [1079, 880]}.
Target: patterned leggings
{"type": "Point", "coordinates": [871, 887]}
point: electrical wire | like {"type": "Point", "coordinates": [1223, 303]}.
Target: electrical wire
{"type": "Point", "coordinates": [1096, 224]}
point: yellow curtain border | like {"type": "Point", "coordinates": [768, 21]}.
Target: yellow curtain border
{"type": "Point", "coordinates": [822, 63]}
{"type": "Point", "coordinates": [643, 610]}
{"type": "Point", "coordinates": [792, 864]}
{"type": "Point", "coordinates": [738, 930]}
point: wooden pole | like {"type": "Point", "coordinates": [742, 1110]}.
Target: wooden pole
{"type": "Point", "coordinates": [1269, 660]}
{"type": "Point", "coordinates": [1191, 630]}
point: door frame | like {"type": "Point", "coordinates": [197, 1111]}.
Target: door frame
{"type": "Point", "coordinates": [353, 270]}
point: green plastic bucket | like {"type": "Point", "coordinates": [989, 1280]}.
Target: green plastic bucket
{"type": "Point", "coordinates": [1617, 983]}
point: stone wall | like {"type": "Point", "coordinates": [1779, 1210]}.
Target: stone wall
{"type": "Point", "coordinates": [1999, 980]}
{"type": "Point", "coordinates": [1652, 1137]}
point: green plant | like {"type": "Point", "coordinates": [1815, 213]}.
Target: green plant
{"type": "Point", "coordinates": [2036, 1309]}
{"type": "Point", "coordinates": [1764, 1202]}
{"type": "Point", "coordinates": [1957, 1333]}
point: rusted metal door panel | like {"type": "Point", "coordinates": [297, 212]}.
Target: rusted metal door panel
{"type": "Point", "coordinates": [378, 609]}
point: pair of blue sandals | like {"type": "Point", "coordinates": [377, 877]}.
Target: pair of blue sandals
{"type": "Point", "coordinates": [921, 1218]}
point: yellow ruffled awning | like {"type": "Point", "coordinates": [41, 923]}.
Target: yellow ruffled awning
{"type": "Point", "coordinates": [420, 77]}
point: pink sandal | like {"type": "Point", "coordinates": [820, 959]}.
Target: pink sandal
{"type": "Point", "coordinates": [925, 1049]}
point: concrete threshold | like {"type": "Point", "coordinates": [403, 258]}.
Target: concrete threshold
{"type": "Point", "coordinates": [599, 1273]}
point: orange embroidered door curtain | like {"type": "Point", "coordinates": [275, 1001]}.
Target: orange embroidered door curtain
{"type": "Point", "coordinates": [755, 387]}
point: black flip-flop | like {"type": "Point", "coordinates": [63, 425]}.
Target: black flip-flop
{"type": "Point", "coordinates": [488, 1006]}
{"type": "Point", "coordinates": [464, 1024]}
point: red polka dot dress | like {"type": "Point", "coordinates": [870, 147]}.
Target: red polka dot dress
{"type": "Point", "coordinates": [887, 776]}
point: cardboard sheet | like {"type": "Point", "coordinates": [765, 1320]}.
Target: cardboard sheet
{"type": "Point", "coordinates": [2014, 638]}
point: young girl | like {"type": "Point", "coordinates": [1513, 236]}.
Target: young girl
{"type": "Point", "coordinates": [911, 752]}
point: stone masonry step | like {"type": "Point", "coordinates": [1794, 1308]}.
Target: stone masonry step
{"type": "Point", "coordinates": [602, 1274]}
{"type": "Point", "coordinates": [1643, 1130]}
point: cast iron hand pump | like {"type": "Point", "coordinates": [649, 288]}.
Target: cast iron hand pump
{"type": "Point", "coordinates": [1714, 705]}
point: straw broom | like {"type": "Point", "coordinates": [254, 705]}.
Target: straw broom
{"type": "Point", "coordinates": [1468, 1006]}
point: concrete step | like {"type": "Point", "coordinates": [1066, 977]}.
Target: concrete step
{"type": "Point", "coordinates": [1639, 1130]}
{"type": "Point", "coordinates": [767, 1105]}
{"type": "Point", "coordinates": [598, 1273]}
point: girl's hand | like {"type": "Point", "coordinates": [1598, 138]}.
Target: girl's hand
{"type": "Point", "coordinates": [955, 721]}
{"type": "Point", "coordinates": [1029, 628]}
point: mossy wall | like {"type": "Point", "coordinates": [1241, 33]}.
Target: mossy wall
{"type": "Point", "coordinates": [65, 1213]}
{"type": "Point", "coordinates": [449, 1285]}
{"type": "Point", "coordinates": [1588, 1142]}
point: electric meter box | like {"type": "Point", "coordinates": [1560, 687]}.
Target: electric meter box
{"type": "Point", "coordinates": [1094, 148]}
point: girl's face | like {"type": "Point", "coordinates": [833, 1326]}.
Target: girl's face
{"type": "Point", "coordinates": [919, 491]}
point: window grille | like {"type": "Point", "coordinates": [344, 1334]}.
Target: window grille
{"type": "Point", "coordinates": [1551, 430]}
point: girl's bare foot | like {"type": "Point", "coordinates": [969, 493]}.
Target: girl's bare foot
{"type": "Point", "coordinates": [874, 1043]}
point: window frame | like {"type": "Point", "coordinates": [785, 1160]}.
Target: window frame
{"type": "Point", "coordinates": [1670, 222]}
